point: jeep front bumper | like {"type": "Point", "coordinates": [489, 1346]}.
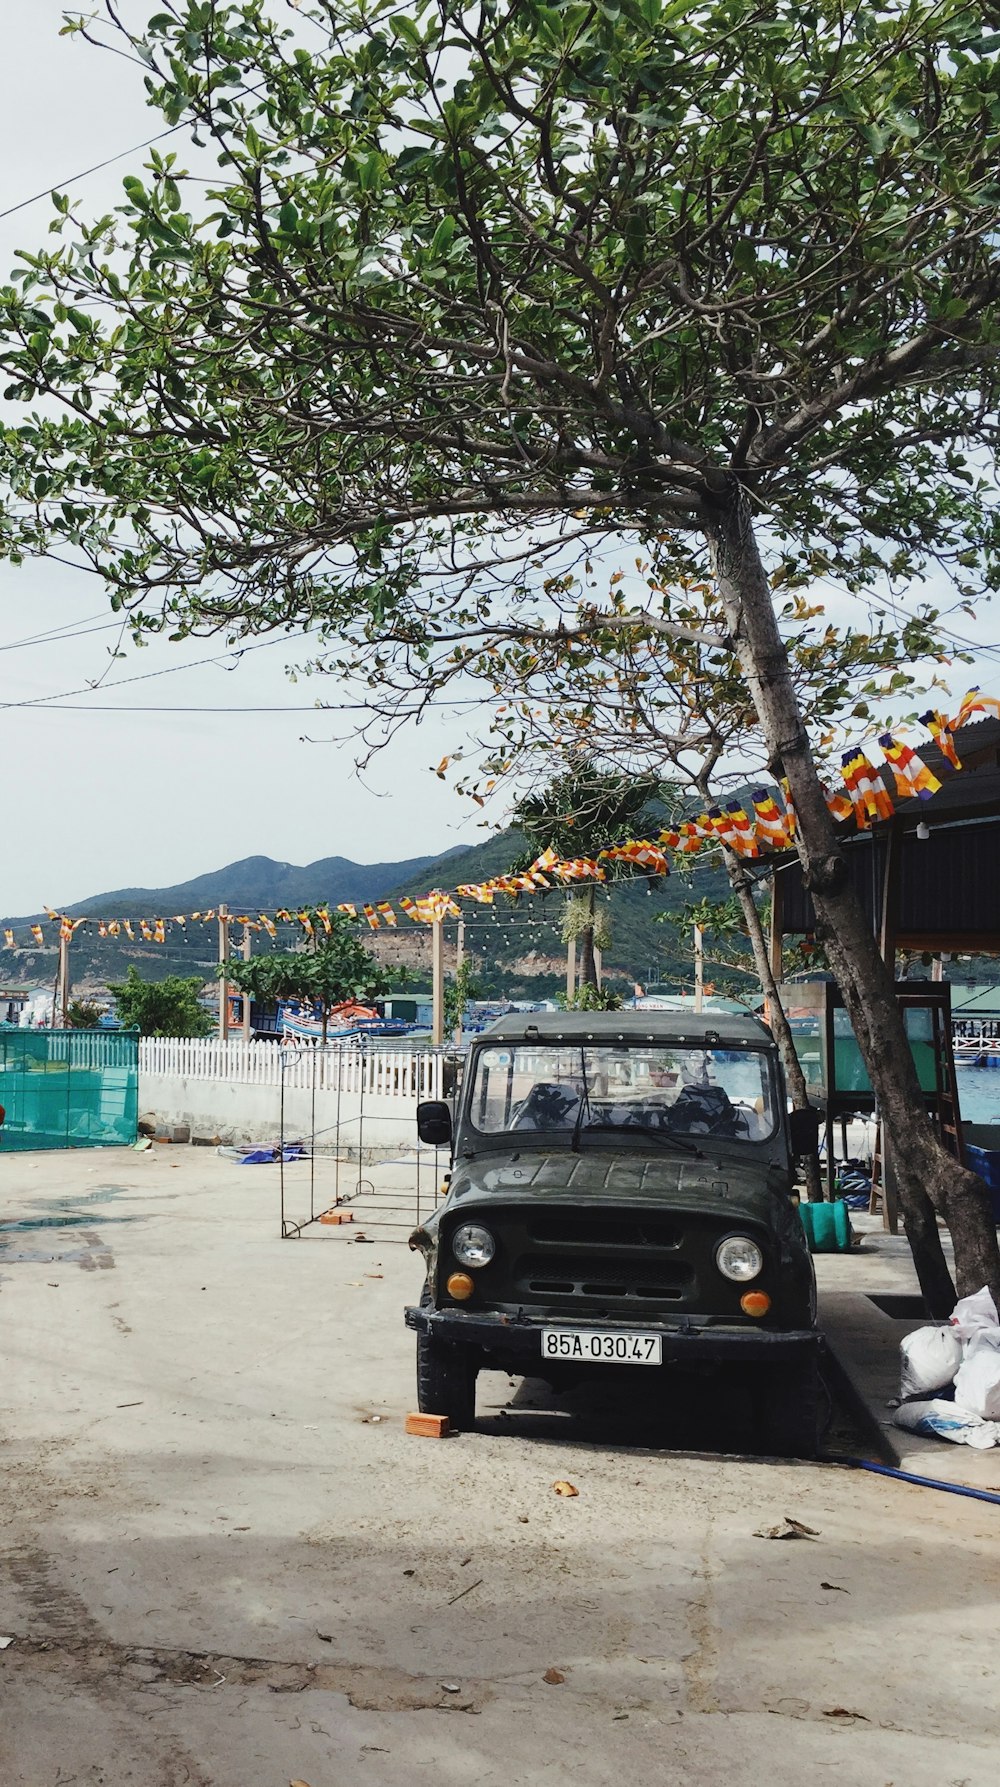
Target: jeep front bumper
{"type": "Point", "coordinates": [518, 1339]}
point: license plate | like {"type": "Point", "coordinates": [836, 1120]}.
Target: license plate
{"type": "Point", "coordinates": [598, 1346]}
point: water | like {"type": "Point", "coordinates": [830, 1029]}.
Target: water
{"type": "Point", "coordinates": [979, 1092]}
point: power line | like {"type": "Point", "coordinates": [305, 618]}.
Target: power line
{"type": "Point", "coordinates": [57, 636]}
{"type": "Point", "coordinates": [85, 173]}
{"type": "Point", "coordinates": [122, 155]}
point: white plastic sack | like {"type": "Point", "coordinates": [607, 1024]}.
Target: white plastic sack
{"type": "Point", "coordinates": [977, 1381]}
{"type": "Point", "coordinates": [928, 1360]}
{"type": "Point", "coordinates": [940, 1420]}
{"type": "Point", "coordinates": [975, 1315]}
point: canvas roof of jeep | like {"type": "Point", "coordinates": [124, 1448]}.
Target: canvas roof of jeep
{"type": "Point", "coordinates": [714, 1028]}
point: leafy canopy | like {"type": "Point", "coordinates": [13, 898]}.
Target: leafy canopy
{"type": "Point", "coordinates": [480, 283]}
{"type": "Point", "coordinates": [337, 970]}
{"type": "Point", "coordinates": [166, 1007]}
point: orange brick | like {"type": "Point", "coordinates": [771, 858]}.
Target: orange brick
{"type": "Point", "coordinates": [335, 1216]}
{"type": "Point", "coordinates": [429, 1427]}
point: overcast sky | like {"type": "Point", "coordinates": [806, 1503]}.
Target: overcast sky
{"type": "Point", "coordinates": [92, 799]}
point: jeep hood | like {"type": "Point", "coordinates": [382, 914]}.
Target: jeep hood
{"type": "Point", "coordinates": [726, 1188]}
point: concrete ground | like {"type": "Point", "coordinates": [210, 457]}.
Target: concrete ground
{"type": "Point", "coordinates": [865, 1337]}
{"type": "Point", "coordinates": [225, 1564]}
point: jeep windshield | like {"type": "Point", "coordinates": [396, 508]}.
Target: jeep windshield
{"type": "Point", "coordinates": [563, 1092]}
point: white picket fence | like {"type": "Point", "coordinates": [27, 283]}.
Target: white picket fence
{"type": "Point", "coordinates": [381, 1073]}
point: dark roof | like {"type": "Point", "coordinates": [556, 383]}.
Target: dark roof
{"type": "Point", "coordinates": [968, 793]}
{"type": "Point", "coordinates": [946, 896]}
{"type": "Point", "coordinates": [628, 1026]}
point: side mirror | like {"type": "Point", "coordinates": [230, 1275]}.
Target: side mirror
{"type": "Point", "coordinates": [434, 1122]}
{"type": "Point", "coordinates": [803, 1128]}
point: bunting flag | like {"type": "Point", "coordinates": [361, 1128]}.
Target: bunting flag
{"type": "Point", "coordinates": [773, 828]}
{"type": "Point", "coordinates": [716, 824]}
{"type": "Point", "coordinates": [975, 703]}
{"type": "Point", "coordinates": [641, 852]}
{"type": "Point", "coordinates": [912, 777]}
{"type": "Point", "coordinates": [866, 789]}
{"type": "Point", "coordinates": [840, 805]}
{"type": "Point", "coordinates": [482, 892]}
{"type": "Point", "coordinates": [692, 836]}
{"type": "Point", "coordinates": [743, 830]}
{"type": "Point", "coordinates": [548, 860]}
{"type": "Point", "coordinates": [940, 730]}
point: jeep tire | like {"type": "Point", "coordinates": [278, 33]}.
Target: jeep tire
{"type": "Point", "coordinates": [786, 1409]}
{"type": "Point", "coordinates": [446, 1379]}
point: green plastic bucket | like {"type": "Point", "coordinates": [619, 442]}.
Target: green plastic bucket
{"type": "Point", "coordinates": [827, 1226]}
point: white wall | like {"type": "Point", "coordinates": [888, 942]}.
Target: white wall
{"type": "Point", "coordinates": [355, 1099]}
{"type": "Point", "coordinates": [245, 1113]}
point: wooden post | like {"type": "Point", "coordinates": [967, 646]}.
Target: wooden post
{"type": "Point", "coordinates": [777, 924]}
{"type": "Point", "coordinates": [223, 983]}
{"type": "Point", "coordinates": [570, 969]}
{"type": "Point", "coordinates": [459, 959]}
{"type": "Point", "coordinates": [437, 982]}
{"type": "Point", "coordinates": [60, 1004]}
{"type": "Point", "coordinates": [699, 968]}
{"type": "Point", "coordinates": [889, 918]}
{"type": "Point", "coordinates": [598, 964]}
{"type": "Point", "coordinates": [247, 953]}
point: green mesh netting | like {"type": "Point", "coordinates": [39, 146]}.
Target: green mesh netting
{"type": "Point", "coordinates": [68, 1088]}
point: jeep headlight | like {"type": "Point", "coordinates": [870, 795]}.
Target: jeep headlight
{"type": "Point", "coordinates": [473, 1245]}
{"type": "Point", "coordinates": [739, 1258]}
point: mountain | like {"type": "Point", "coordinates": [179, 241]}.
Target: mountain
{"type": "Point", "coordinates": [497, 935]}
{"type": "Point", "coordinates": [257, 883]}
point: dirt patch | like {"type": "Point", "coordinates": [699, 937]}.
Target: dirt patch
{"type": "Point", "coordinates": [369, 1688]}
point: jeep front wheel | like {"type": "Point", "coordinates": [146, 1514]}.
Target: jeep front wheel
{"type": "Point", "coordinates": [446, 1381]}
{"type": "Point", "coordinates": [787, 1409]}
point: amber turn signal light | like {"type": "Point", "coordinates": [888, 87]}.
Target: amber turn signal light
{"type": "Point", "coordinates": [755, 1303]}
{"type": "Point", "coordinates": [460, 1286]}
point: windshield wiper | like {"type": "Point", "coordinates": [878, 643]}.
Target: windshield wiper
{"type": "Point", "coordinates": [667, 1136]}
{"type": "Point", "coordinates": [584, 1105]}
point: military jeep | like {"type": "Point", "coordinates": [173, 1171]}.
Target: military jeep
{"type": "Point", "coordinates": [620, 1199]}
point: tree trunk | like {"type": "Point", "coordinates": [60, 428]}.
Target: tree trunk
{"type": "Point", "coordinates": [795, 1079]}
{"type": "Point", "coordinates": [928, 1178]}
{"type": "Point", "coordinates": [588, 966]}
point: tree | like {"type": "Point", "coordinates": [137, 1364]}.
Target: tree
{"type": "Point", "coordinates": [458, 990]}
{"type": "Point", "coordinates": [583, 810]}
{"type": "Point", "coordinates": [83, 1014]}
{"type": "Point", "coordinates": [481, 289]}
{"type": "Point", "coordinates": [337, 970]}
{"type": "Point", "coordinates": [168, 1007]}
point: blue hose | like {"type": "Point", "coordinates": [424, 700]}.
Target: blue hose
{"type": "Point", "coordinates": [886, 1470]}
